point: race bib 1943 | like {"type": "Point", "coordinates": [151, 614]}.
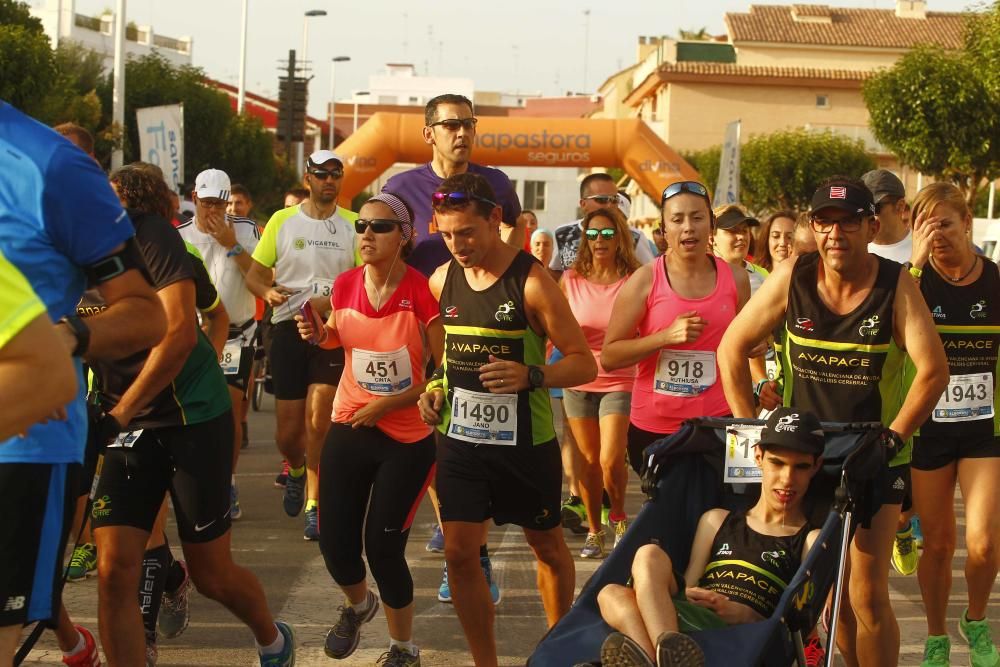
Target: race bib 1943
{"type": "Point", "coordinates": [684, 372]}
{"type": "Point", "coordinates": [481, 418]}
{"type": "Point", "coordinates": [382, 373]}
{"type": "Point", "coordinates": [967, 398]}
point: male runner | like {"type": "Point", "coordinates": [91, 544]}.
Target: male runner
{"type": "Point", "coordinates": [893, 240]}
{"type": "Point", "coordinates": [240, 201]}
{"type": "Point", "coordinates": [307, 246]}
{"type": "Point", "coordinates": [497, 455]}
{"type": "Point", "coordinates": [849, 318]}
{"type": "Point", "coordinates": [225, 243]}
{"type": "Point", "coordinates": [61, 226]}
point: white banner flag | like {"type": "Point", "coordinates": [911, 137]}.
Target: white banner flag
{"type": "Point", "coordinates": [161, 141]}
{"type": "Point", "coordinates": [727, 190]}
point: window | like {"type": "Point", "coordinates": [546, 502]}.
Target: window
{"type": "Point", "coordinates": [414, 100]}
{"type": "Point", "coordinates": [822, 101]}
{"type": "Point", "coordinates": [534, 195]}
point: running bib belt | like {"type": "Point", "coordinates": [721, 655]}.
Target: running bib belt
{"type": "Point", "coordinates": [232, 353]}
{"type": "Point", "coordinates": [478, 324]}
{"type": "Point", "coordinates": [843, 367]}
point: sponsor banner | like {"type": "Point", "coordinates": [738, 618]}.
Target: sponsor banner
{"type": "Point", "coordinates": [161, 140]}
{"type": "Point", "coordinates": [727, 190]}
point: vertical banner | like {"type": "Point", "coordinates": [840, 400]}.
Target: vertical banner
{"type": "Point", "coordinates": [727, 190]}
{"type": "Point", "coordinates": [161, 141]}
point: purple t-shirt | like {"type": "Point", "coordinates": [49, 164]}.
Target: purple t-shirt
{"type": "Point", "coordinates": [415, 188]}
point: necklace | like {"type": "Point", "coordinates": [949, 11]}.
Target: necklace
{"type": "Point", "coordinates": [975, 263]}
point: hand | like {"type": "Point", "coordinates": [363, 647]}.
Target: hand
{"type": "Point", "coordinates": [732, 613]}
{"type": "Point", "coordinates": [306, 331]}
{"type": "Point", "coordinates": [758, 350]}
{"type": "Point", "coordinates": [892, 441]}
{"type": "Point", "coordinates": [685, 329]}
{"type": "Point", "coordinates": [370, 414]}
{"type": "Point", "coordinates": [504, 377]}
{"type": "Point", "coordinates": [105, 429]}
{"type": "Point", "coordinates": [220, 230]}
{"type": "Point", "coordinates": [925, 230]}
{"type": "Point", "coordinates": [769, 397]}
{"type": "Point", "coordinates": [277, 295]}
{"type": "Point", "coordinates": [429, 405]}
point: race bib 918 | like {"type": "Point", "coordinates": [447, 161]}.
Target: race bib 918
{"type": "Point", "coordinates": [481, 418]}
{"type": "Point", "coordinates": [232, 353]}
{"type": "Point", "coordinates": [967, 398]}
{"type": "Point", "coordinates": [684, 372]}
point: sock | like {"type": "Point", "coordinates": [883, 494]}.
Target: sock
{"type": "Point", "coordinates": [365, 605]}
{"type": "Point", "coordinates": [152, 581]}
{"type": "Point", "coordinates": [904, 533]}
{"type": "Point", "coordinates": [605, 499]}
{"type": "Point", "coordinates": [409, 646]}
{"type": "Point", "coordinates": [617, 517]}
{"type": "Point", "coordinates": [297, 472]}
{"type": "Point", "coordinates": [484, 552]}
{"type": "Point", "coordinates": [275, 647]}
{"type": "Point", "coordinates": [311, 504]}
{"type": "Point", "coordinates": [81, 644]}
{"type": "Point", "coordinates": [175, 575]}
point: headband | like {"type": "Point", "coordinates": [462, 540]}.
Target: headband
{"type": "Point", "coordinates": [399, 208]}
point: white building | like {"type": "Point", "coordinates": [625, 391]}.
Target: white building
{"type": "Point", "coordinates": [61, 22]}
{"type": "Point", "coordinates": [400, 84]}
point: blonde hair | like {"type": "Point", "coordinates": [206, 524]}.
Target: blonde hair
{"type": "Point", "coordinates": [625, 260]}
{"type": "Point", "coordinates": [940, 192]}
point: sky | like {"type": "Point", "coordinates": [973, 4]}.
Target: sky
{"type": "Point", "coordinates": [532, 46]}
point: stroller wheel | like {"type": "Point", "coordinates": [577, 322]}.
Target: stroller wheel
{"type": "Point", "coordinates": [674, 649]}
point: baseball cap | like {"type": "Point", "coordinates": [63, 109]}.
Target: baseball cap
{"type": "Point", "coordinates": [322, 157]}
{"type": "Point", "coordinates": [791, 428]}
{"type": "Point", "coordinates": [883, 183]}
{"type": "Point", "coordinates": [213, 184]}
{"type": "Point", "coordinates": [624, 205]}
{"type": "Point", "coordinates": [733, 217]}
{"type": "Point", "coordinates": [843, 195]}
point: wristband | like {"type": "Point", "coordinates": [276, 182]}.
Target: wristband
{"type": "Point", "coordinates": [435, 384]}
{"type": "Point", "coordinates": [915, 272]}
{"type": "Point", "coordinates": [236, 250]}
{"type": "Point", "coordinates": [757, 387]}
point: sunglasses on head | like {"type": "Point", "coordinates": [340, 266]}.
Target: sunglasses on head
{"type": "Point", "coordinates": [378, 225]}
{"type": "Point", "coordinates": [453, 124]}
{"type": "Point", "coordinates": [694, 187]}
{"type": "Point", "coordinates": [608, 233]}
{"type": "Point", "coordinates": [459, 198]}
{"type": "Point", "coordinates": [323, 174]}
{"type": "Point", "coordinates": [603, 199]}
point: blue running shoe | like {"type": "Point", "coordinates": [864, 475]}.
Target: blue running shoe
{"type": "Point", "coordinates": [436, 543]}
{"type": "Point", "coordinates": [488, 571]}
{"type": "Point", "coordinates": [287, 656]}
{"type": "Point", "coordinates": [312, 525]}
{"type": "Point", "coordinates": [295, 494]}
{"type": "Point", "coordinates": [444, 590]}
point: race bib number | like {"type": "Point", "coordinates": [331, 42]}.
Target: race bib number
{"type": "Point", "coordinates": [480, 418]}
{"type": "Point", "coordinates": [126, 439]}
{"type": "Point", "coordinates": [232, 352]}
{"type": "Point", "coordinates": [321, 287]}
{"type": "Point", "coordinates": [967, 398]}
{"type": "Point", "coordinates": [684, 373]}
{"type": "Point", "coordinates": [382, 373]}
{"type": "Point", "coordinates": [741, 468]}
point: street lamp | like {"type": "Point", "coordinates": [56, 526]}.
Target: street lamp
{"type": "Point", "coordinates": [360, 92]}
{"type": "Point", "coordinates": [305, 31]}
{"type": "Point", "coordinates": [333, 97]}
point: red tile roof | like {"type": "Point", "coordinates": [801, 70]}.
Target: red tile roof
{"type": "Point", "coordinates": [760, 71]}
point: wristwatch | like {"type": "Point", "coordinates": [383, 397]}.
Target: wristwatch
{"type": "Point", "coordinates": [81, 331]}
{"type": "Point", "coordinates": [536, 377]}
{"type": "Point", "coordinates": [236, 250]}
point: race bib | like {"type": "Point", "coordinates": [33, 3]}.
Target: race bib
{"type": "Point", "coordinates": [126, 439]}
{"type": "Point", "coordinates": [480, 418]}
{"type": "Point", "coordinates": [967, 398]}
{"type": "Point", "coordinates": [321, 287]}
{"type": "Point", "coordinates": [382, 373]}
{"type": "Point", "coordinates": [684, 372]}
{"type": "Point", "coordinates": [232, 352]}
{"type": "Point", "coordinates": [741, 468]}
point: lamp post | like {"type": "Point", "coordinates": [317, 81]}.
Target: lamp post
{"type": "Point", "coordinates": [241, 97]}
{"type": "Point", "coordinates": [305, 32]}
{"type": "Point", "coordinates": [118, 82]}
{"type": "Point", "coordinates": [360, 92]}
{"type": "Point", "coordinates": [333, 96]}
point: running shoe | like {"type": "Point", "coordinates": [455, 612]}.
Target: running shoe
{"type": "Point", "coordinates": [594, 546]}
{"type": "Point", "coordinates": [311, 532]}
{"type": "Point", "coordinates": [287, 656]}
{"type": "Point", "coordinates": [151, 654]}
{"type": "Point", "coordinates": [814, 652]}
{"type": "Point", "coordinates": [398, 657]}
{"type": "Point", "coordinates": [918, 535]}
{"type": "Point", "coordinates": [621, 651]}
{"type": "Point", "coordinates": [904, 553]}
{"type": "Point", "coordinates": [675, 649]}
{"type": "Point", "coordinates": [444, 590]}
{"type": "Point", "coordinates": [937, 651]}
{"type": "Point", "coordinates": [88, 657]}
{"type": "Point", "coordinates": [295, 494]}
{"type": "Point", "coordinates": [572, 514]}
{"type": "Point", "coordinates": [235, 511]}
{"type": "Point", "coordinates": [619, 528]}
{"type": "Point", "coordinates": [174, 612]}
{"type": "Point", "coordinates": [982, 652]}
{"type": "Point", "coordinates": [344, 636]}
{"type": "Point", "coordinates": [487, 566]}
{"type": "Point", "coordinates": [282, 477]}
{"type": "Point", "coordinates": [82, 562]}
{"type": "Point", "coordinates": [436, 543]}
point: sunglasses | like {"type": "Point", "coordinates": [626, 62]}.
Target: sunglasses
{"type": "Point", "coordinates": [378, 225]}
{"type": "Point", "coordinates": [607, 233]}
{"type": "Point", "coordinates": [459, 198]}
{"type": "Point", "coordinates": [694, 187]}
{"type": "Point", "coordinates": [603, 199]}
{"type": "Point", "coordinates": [824, 226]}
{"type": "Point", "coordinates": [323, 174]}
{"type": "Point", "coordinates": [453, 124]}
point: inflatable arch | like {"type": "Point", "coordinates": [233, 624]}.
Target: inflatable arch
{"type": "Point", "coordinates": [387, 138]}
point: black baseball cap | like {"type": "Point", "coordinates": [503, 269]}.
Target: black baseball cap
{"type": "Point", "coordinates": [791, 428]}
{"type": "Point", "coordinates": [843, 195]}
{"type": "Point", "coordinates": [733, 217]}
{"type": "Point", "coordinates": [883, 183]}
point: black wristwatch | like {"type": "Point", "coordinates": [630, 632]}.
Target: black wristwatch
{"type": "Point", "coordinates": [81, 331]}
{"type": "Point", "coordinates": [536, 377]}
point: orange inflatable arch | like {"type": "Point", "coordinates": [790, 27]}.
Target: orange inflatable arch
{"type": "Point", "coordinates": [387, 138]}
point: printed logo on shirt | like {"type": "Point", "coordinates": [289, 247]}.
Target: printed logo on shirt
{"type": "Point", "coordinates": [978, 310]}
{"type": "Point", "coordinates": [406, 303]}
{"type": "Point", "coordinates": [724, 550]}
{"type": "Point", "coordinates": [870, 327]}
{"type": "Point", "coordinates": [505, 312]}
{"type": "Point", "coordinates": [299, 244]}
{"type": "Point", "coordinates": [804, 323]}
{"type": "Point", "coordinates": [773, 557]}
{"type": "Point", "coordinates": [938, 314]}
{"type": "Point", "coordinates": [451, 312]}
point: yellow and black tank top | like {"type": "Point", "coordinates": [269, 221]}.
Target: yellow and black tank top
{"type": "Point", "coordinates": [968, 320]}
{"type": "Point", "coordinates": [478, 324]}
{"type": "Point", "coordinates": [752, 568]}
{"type": "Point", "coordinates": [844, 368]}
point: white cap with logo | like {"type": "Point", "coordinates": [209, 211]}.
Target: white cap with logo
{"type": "Point", "coordinates": [213, 184]}
{"type": "Point", "coordinates": [322, 157]}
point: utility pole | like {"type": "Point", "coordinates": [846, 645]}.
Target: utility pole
{"type": "Point", "coordinates": [241, 99]}
{"type": "Point", "coordinates": [586, 45]}
{"type": "Point", "coordinates": [118, 84]}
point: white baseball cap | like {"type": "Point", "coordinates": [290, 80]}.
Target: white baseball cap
{"type": "Point", "coordinates": [322, 157]}
{"type": "Point", "coordinates": [213, 184]}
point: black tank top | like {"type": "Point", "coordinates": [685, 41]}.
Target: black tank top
{"type": "Point", "coordinates": [751, 568]}
{"type": "Point", "coordinates": [968, 321]}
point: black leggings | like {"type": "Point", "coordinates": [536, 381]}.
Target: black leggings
{"type": "Point", "coordinates": [365, 473]}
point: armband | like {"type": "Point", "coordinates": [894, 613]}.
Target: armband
{"type": "Point", "coordinates": [127, 258]}
{"type": "Point", "coordinates": [436, 380]}
{"type": "Point", "coordinates": [915, 272]}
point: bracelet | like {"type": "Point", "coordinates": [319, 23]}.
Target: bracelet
{"type": "Point", "coordinates": [760, 385]}
{"type": "Point", "coordinates": [236, 250]}
{"type": "Point", "coordinates": [437, 383]}
{"type": "Point", "coordinates": [915, 272]}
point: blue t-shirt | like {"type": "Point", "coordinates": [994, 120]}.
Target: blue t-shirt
{"type": "Point", "coordinates": [417, 185]}
{"type": "Point", "coordinates": [58, 215]}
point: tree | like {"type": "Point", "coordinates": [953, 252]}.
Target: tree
{"type": "Point", "coordinates": [26, 67]}
{"type": "Point", "coordinates": [706, 162]}
{"type": "Point", "coordinates": [982, 42]}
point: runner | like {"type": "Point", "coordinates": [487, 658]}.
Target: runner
{"type": "Point", "coordinates": [308, 246]}
{"type": "Point", "coordinates": [177, 436]}
{"type": "Point", "coordinates": [598, 412]}
{"type": "Point", "coordinates": [679, 305]}
{"type": "Point", "coordinates": [849, 318]}
{"type": "Point", "coordinates": [893, 239]}
{"type": "Point", "coordinates": [379, 455]}
{"type": "Point", "coordinates": [960, 442]}
{"type": "Point", "coordinates": [62, 227]}
{"type": "Point", "coordinates": [777, 236]}
{"type": "Point", "coordinates": [240, 201]}
{"type": "Point", "coordinates": [496, 451]}
{"type": "Point", "coordinates": [733, 241]}
{"type": "Point", "coordinates": [226, 244]}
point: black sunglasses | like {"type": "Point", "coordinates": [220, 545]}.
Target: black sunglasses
{"type": "Point", "coordinates": [378, 225]}
{"type": "Point", "coordinates": [694, 187]}
{"type": "Point", "coordinates": [608, 233]}
{"type": "Point", "coordinates": [459, 198]}
{"type": "Point", "coordinates": [452, 124]}
{"type": "Point", "coordinates": [323, 174]}
{"type": "Point", "coordinates": [603, 199]}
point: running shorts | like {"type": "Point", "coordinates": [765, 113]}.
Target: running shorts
{"type": "Point", "coordinates": [596, 404]}
{"type": "Point", "coordinates": [295, 364]}
{"type": "Point", "coordinates": [932, 453]}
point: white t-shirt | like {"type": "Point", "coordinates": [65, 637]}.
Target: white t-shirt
{"type": "Point", "coordinates": [901, 251]}
{"type": "Point", "coordinates": [225, 271]}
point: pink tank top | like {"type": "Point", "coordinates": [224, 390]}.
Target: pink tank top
{"type": "Point", "coordinates": [591, 305]}
{"type": "Point", "coordinates": [682, 381]}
